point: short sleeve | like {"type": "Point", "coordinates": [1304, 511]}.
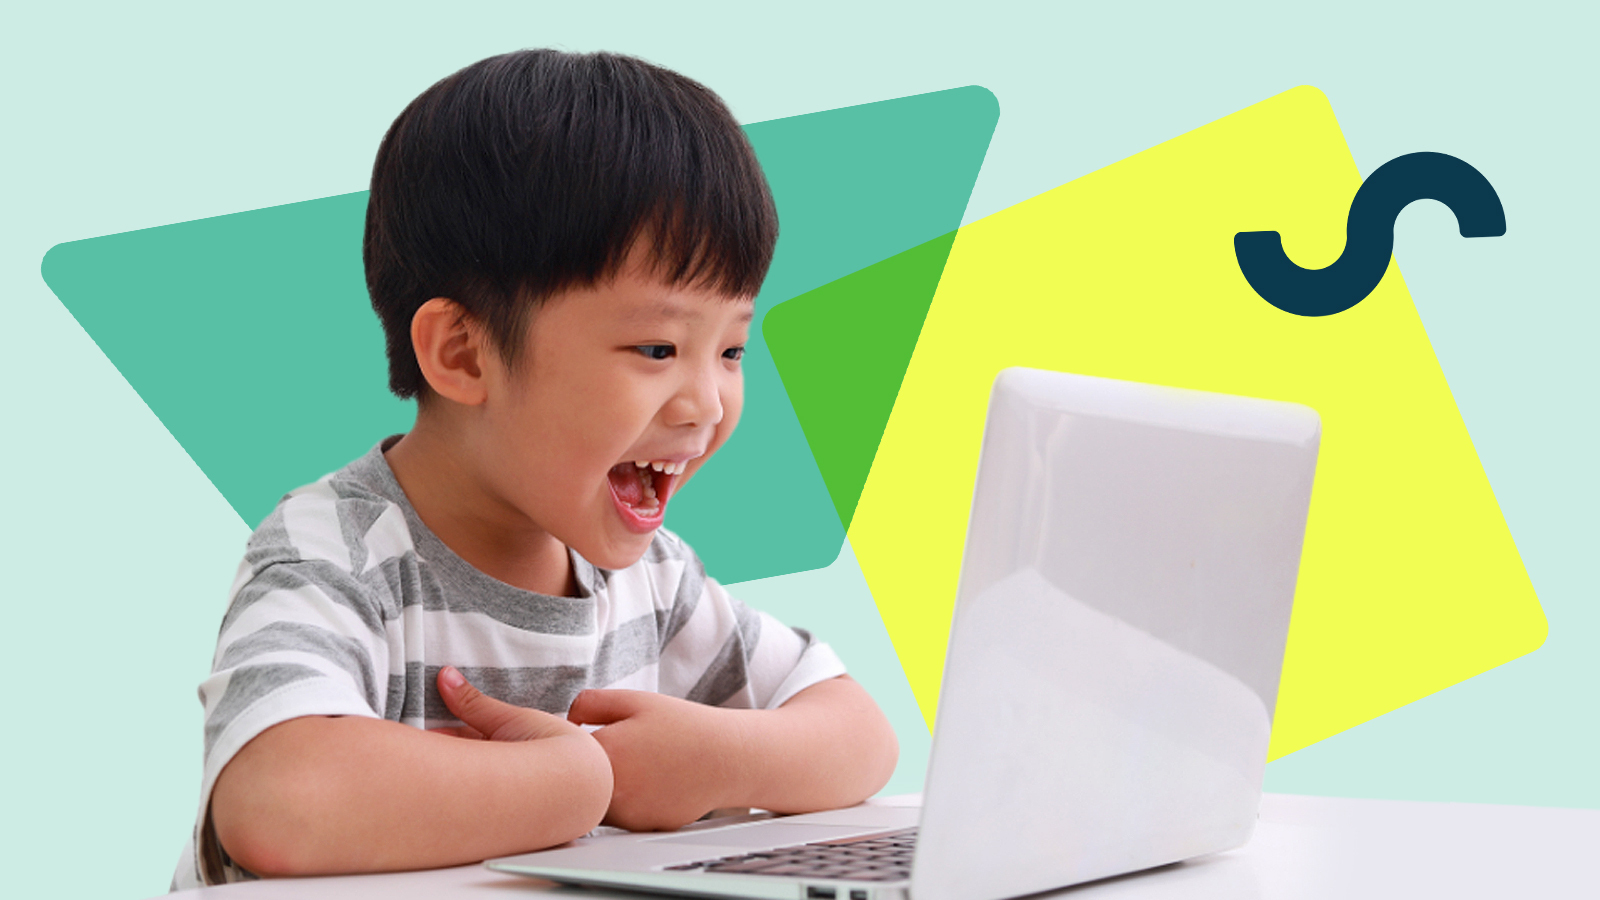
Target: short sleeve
{"type": "Point", "coordinates": [718, 651]}
{"type": "Point", "coordinates": [302, 636]}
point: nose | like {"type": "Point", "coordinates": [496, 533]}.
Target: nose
{"type": "Point", "coordinates": [698, 400]}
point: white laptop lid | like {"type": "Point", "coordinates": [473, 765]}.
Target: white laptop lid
{"type": "Point", "coordinates": [1119, 629]}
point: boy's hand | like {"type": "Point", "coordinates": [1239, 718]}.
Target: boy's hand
{"type": "Point", "coordinates": [672, 760]}
{"type": "Point", "coordinates": [485, 718]}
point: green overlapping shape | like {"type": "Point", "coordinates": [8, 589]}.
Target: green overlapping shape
{"type": "Point", "coordinates": [843, 349]}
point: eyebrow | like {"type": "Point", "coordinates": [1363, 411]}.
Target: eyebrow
{"type": "Point", "coordinates": [675, 312]}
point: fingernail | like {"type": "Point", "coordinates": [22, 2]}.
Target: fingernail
{"type": "Point", "coordinates": [451, 678]}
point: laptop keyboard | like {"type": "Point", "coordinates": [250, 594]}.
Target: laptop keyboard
{"type": "Point", "coordinates": [885, 856]}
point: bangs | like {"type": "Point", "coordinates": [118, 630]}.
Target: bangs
{"type": "Point", "coordinates": [640, 153]}
{"type": "Point", "coordinates": [536, 172]}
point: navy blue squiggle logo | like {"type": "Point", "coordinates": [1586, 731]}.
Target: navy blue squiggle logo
{"type": "Point", "coordinates": [1369, 234]}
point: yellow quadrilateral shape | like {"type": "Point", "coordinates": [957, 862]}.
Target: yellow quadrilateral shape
{"type": "Point", "coordinates": [1409, 581]}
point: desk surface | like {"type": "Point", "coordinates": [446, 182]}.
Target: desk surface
{"type": "Point", "coordinates": [1305, 848]}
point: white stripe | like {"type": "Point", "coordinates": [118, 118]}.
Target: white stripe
{"type": "Point", "coordinates": [690, 653]}
{"type": "Point", "coordinates": [644, 679]}
{"type": "Point", "coordinates": [211, 691]}
{"type": "Point", "coordinates": [774, 657]}
{"type": "Point", "coordinates": [311, 520]}
{"type": "Point", "coordinates": [818, 664]}
{"type": "Point", "coordinates": [413, 633]}
{"type": "Point", "coordinates": [637, 590]}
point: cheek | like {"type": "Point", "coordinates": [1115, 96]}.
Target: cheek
{"type": "Point", "coordinates": [590, 420]}
{"type": "Point", "coordinates": [732, 397]}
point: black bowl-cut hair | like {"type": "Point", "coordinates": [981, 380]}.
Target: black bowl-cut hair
{"type": "Point", "coordinates": [537, 171]}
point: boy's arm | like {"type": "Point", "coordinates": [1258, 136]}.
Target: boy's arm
{"type": "Point", "coordinates": [323, 795]}
{"type": "Point", "coordinates": [674, 760]}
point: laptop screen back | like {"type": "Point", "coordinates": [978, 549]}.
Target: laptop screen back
{"type": "Point", "coordinates": [1119, 629]}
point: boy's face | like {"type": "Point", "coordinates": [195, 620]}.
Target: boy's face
{"type": "Point", "coordinates": [626, 372]}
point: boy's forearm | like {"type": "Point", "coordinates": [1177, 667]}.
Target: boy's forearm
{"type": "Point", "coordinates": [828, 746]}
{"type": "Point", "coordinates": [322, 795]}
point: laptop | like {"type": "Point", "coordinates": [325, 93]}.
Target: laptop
{"type": "Point", "coordinates": [1112, 670]}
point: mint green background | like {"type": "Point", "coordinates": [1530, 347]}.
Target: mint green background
{"type": "Point", "coordinates": [118, 552]}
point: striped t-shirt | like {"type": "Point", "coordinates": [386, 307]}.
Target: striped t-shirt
{"type": "Point", "coordinates": [347, 605]}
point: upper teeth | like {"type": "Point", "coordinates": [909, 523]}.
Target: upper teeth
{"type": "Point", "coordinates": [664, 466]}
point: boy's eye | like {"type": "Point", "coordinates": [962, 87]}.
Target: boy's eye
{"type": "Point", "coordinates": [733, 353]}
{"type": "Point", "coordinates": [655, 351]}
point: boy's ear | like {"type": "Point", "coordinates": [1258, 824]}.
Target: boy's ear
{"type": "Point", "coordinates": [450, 349]}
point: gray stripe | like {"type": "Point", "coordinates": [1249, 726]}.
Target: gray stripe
{"type": "Point", "coordinates": [343, 652]}
{"type": "Point", "coordinates": [247, 685]}
{"type": "Point", "coordinates": [625, 650]}
{"type": "Point", "coordinates": [356, 512]}
{"type": "Point", "coordinates": [684, 603]}
{"type": "Point", "coordinates": [469, 590]}
{"type": "Point", "coordinates": [729, 672]}
{"type": "Point", "coordinates": [403, 582]}
{"type": "Point", "coordinates": [334, 582]}
{"type": "Point", "coordinates": [379, 585]}
{"type": "Point", "coordinates": [404, 702]}
{"type": "Point", "coordinates": [548, 688]}
{"type": "Point", "coordinates": [520, 609]}
{"type": "Point", "coordinates": [411, 583]}
{"type": "Point", "coordinates": [517, 608]}
{"type": "Point", "coordinates": [590, 576]}
{"type": "Point", "coordinates": [270, 543]}
{"type": "Point", "coordinates": [749, 622]}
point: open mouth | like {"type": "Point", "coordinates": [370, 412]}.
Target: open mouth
{"type": "Point", "coordinates": [641, 492]}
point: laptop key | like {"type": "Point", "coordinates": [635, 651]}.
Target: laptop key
{"type": "Point", "coordinates": [754, 865]}
{"type": "Point", "coordinates": [879, 857]}
{"type": "Point", "coordinates": [788, 868]}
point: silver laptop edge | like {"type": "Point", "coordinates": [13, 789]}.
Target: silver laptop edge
{"type": "Point", "coordinates": [1113, 665]}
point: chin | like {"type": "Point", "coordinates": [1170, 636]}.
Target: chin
{"type": "Point", "coordinates": [617, 554]}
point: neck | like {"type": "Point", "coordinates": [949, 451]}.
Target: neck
{"type": "Point", "coordinates": [441, 479]}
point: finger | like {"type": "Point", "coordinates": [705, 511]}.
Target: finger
{"type": "Point", "coordinates": [602, 707]}
{"type": "Point", "coordinates": [491, 718]}
{"type": "Point", "coordinates": [461, 731]}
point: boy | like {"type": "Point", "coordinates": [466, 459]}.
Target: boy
{"type": "Point", "coordinates": [564, 251]}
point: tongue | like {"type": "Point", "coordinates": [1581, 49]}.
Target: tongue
{"type": "Point", "coordinates": [628, 481]}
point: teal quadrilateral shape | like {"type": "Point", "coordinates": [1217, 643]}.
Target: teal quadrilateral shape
{"type": "Point", "coordinates": [251, 338]}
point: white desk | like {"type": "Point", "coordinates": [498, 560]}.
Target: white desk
{"type": "Point", "coordinates": [1305, 848]}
